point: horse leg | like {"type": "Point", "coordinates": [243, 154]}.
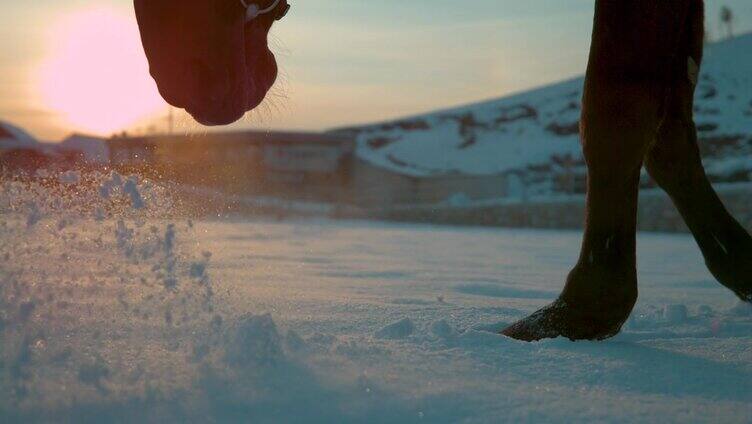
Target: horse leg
{"type": "Point", "coordinates": [625, 90]}
{"type": "Point", "coordinates": [674, 163]}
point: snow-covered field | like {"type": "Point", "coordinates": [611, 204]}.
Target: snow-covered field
{"type": "Point", "coordinates": [115, 313]}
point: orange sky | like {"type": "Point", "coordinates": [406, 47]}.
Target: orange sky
{"type": "Point", "coordinates": [76, 65]}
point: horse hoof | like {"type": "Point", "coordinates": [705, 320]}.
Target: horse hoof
{"type": "Point", "coordinates": [562, 320]}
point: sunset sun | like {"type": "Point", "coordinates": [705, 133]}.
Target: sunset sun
{"type": "Point", "coordinates": [95, 75]}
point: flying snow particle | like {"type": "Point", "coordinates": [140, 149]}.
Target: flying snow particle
{"type": "Point", "coordinates": [123, 234]}
{"type": "Point", "coordinates": [169, 239]}
{"type": "Point", "coordinates": [131, 189]}
{"type": "Point", "coordinates": [116, 178]}
{"type": "Point", "coordinates": [198, 270]}
{"type": "Point", "coordinates": [99, 214]}
{"type": "Point", "coordinates": [34, 216]}
{"type": "Point", "coordinates": [69, 177]}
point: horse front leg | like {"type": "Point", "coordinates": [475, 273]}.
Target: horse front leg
{"type": "Point", "coordinates": [601, 290]}
{"type": "Point", "coordinates": [624, 100]}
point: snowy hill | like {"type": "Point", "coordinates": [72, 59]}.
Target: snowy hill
{"type": "Point", "coordinates": [537, 131]}
{"type": "Point", "coordinates": [12, 137]}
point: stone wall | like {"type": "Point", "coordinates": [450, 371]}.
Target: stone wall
{"type": "Point", "coordinates": [656, 212]}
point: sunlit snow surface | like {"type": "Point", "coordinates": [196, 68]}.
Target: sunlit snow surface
{"type": "Point", "coordinates": [110, 312]}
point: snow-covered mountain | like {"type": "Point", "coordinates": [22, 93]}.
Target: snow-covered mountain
{"type": "Point", "coordinates": [537, 131]}
{"type": "Point", "coordinates": [12, 137]}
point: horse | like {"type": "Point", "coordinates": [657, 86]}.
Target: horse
{"type": "Point", "coordinates": [211, 58]}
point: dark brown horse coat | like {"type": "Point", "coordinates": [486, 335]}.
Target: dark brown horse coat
{"type": "Point", "coordinates": [637, 110]}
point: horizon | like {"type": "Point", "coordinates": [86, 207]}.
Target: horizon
{"type": "Point", "coordinates": [323, 80]}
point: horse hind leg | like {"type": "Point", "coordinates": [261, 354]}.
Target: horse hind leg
{"type": "Point", "coordinates": [675, 164]}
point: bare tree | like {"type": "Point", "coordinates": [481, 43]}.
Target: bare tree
{"type": "Point", "coordinates": [727, 18]}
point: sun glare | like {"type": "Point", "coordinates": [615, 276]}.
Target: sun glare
{"type": "Point", "coordinates": [96, 75]}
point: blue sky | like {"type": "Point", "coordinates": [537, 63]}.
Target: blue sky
{"type": "Point", "coordinates": [350, 61]}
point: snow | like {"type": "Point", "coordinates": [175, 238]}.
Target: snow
{"type": "Point", "coordinates": [539, 127]}
{"type": "Point", "coordinates": [254, 343]}
{"type": "Point", "coordinates": [139, 314]}
{"type": "Point", "coordinates": [70, 177]}
{"type": "Point", "coordinates": [501, 143]}
{"type": "Point", "coordinates": [397, 330]}
{"type": "Point", "coordinates": [676, 314]}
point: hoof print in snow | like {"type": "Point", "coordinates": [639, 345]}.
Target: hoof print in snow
{"type": "Point", "coordinates": [397, 330]}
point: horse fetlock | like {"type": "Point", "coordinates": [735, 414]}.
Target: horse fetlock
{"type": "Point", "coordinates": [601, 290]}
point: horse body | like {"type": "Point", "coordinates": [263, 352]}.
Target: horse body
{"type": "Point", "coordinates": [637, 111]}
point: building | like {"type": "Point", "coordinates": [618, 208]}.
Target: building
{"type": "Point", "coordinates": [376, 187]}
{"type": "Point", "coordinates": [296, 165]}
{"type": "Point", "coordinates": [317, 167]}
{"type": "Point", "coordinates": [92, 151]}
